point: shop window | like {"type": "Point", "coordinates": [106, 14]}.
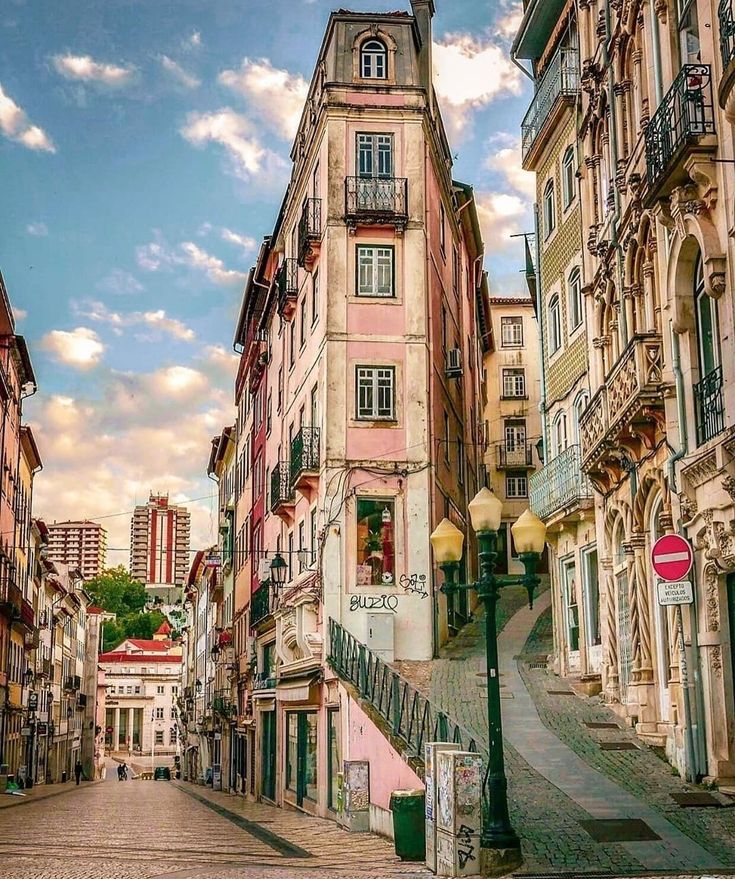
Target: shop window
{"type": "Point", "coordinates": [375, 541]}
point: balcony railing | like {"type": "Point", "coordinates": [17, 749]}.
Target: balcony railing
{"type": "Point", "coordinates": [304, 453]}
{"type": "Point", "coordinates": [727, 32]}
{"type": "Point", "coordinates": [11, 597]}
{"type": "Point", "coordinates": [514, 455]}
{"type": "Point", "coordinates": [287, 281]}
{"type": "Point", "coordinates": [261, 603]}
{"type": "Point", "coordinates": [72, 683]}
{"type": "Point", "coordinates": [81, 700]}
{"type": "Point", "coordinates": [310, 229]}
{"type": "Point", "coordinates": [709, 406]}
{"type": "Point", "coordinates": [376, 199]}
{"type": "Point", "coordinates": [281, 487]}
{"type": "Point", "coordinates": [560, 82]}
{"type": "Point", "coordinates": [222, 703]}
{"type": "Point", "coordinates": [264, 681]}
{"type": "Point", "coordinates": [685, 114]}
{"type": "Point", "coordinates": [27, 616]}
{"type": "Point", "coordinates": [559, 484]}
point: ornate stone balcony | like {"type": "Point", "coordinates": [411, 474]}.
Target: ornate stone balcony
{"type": "Point", "coordinates": [621, 422]}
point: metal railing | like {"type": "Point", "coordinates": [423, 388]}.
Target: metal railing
{"type": "Point", "coordinates": [557, 485]}
{"type": "Point", "coordinates": [409, 714]}
{"type": "Point", "coordinates": [685, 114]}
{"type": "Point", "coordinates": [304, 452]}
{"type": "Point", "coordinates": [727, 32]}
{"type": "Point", "coordinates": [281, 487]}
{"type": "Point", "coordinates": [287, 281]}
{"type": "Point", "coordinates": [561, 80]}
{"type": "Point", "coordinates": [376, 197]}
{"type": "Point", "coordinates": [72, 683]}
{"type": "Point", "coordinates": [310, 227]}
{"type": "Point", "coordinates": [514, 455]}
{"type": "Point", "coordinates": [261, 603]}
{"type": "Point", "coordinates": [10, 594]}
{"type": "Point", "coordinates": [709, 406]}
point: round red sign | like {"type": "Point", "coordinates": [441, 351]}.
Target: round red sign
{"type": "Point", "coordinates": [672, 557]}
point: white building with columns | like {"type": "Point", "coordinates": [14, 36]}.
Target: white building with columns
{"type": "Point", "coordinates": [142, 680]}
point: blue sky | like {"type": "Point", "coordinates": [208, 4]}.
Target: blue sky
{"type": "Point", "coordinates": [144, 148]}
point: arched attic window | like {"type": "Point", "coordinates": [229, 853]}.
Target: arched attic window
{"type": "Point", "coordinates": [373, 60]}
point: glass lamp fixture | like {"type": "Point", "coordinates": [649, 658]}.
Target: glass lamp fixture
{"type": "Point", "coordinates": [486, 511]}
{"type": "Point", "coordinates": [278, 569]}
{"type": "Point", "coordinates": [447, 542]}
{"type": "Point", "coordinates": [529, 533]}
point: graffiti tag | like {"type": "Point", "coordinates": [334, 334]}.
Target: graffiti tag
{"type": "Point", "coordinates": [414, 583]}
{"type": "Point", "coordinates": [374, 602]}
{"type": "Point", "coordinates": [465, 846]}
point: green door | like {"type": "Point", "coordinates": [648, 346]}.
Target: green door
{"type": "Point", "coordinates": [268, 744]}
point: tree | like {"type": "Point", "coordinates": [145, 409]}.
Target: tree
{"type": "Point", "coordinates": [116, 591]}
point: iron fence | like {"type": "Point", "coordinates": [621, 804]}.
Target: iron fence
{"type": "Point", "coordinates": [287, 281]}
{"type": "Point", "coordinates": [710, 408]}
{"type": "Point", "coordinates": [261, 604]}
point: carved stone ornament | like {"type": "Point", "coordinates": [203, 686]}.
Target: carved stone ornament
{"type": "Point", "coordinates": [702, 470]}
{"type": "Point", "coordinates": [715, 660]}
{"type": "Point", "coordinates": [688, 507]}
{"type": "Point", "coordinates": [728, 483]}
{"type": "Point", "coordinates": [711, 597]}
{"type": "Point", "coordinates": [717, 540]}
{"type": "Point", "coordinates": [661, 8]}
{"type": "Point", "coordinates": [685, 200]}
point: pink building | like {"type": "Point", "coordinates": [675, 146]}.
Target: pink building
{"type": "Point", "coordinates": [357, 394]}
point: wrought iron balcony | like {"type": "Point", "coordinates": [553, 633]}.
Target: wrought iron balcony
{"type": "Point", "coordinates": [282, 492]}
{"type": "Point", "coordinates": [222, 704]}
{"type": "Point", "coordinates": [287, 281]}
{"type": "Point", "coordinates": [310, 231]}
{"type": "Point", "coordinates": [559, 486]}
{"type": "Point", "coordinates": [726, 16]}
{"type": "Point", "coordinates": [43, 668]}
{"type": "Point", "coordinates": [518, 455]}
{"type": "Point", "coordinates": [261, 603]}
{"type": "Point", "coordinates": [684, 117]}
{"type": "Point", "coordinates": [376, 200]}
{"type": "Point", "coordinates": [11, 598]}
{"type": "Point", "coordinates": [709, 406]}
{"type": "Point", "coordinates": [305, 458]}
{"type": "Point", "coordinates": [72, 683]}
{"type": "Point", "coordinates": [559, 86]}
{"type": "Point", "coordinates": [81, 701]}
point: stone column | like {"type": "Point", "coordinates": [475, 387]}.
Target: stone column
{"type": "Point", "coordinates": [131, 712]}
{"type": "Point", "coordinates": [643, 665]}
{"type": "Point", "coordinates": [611, 686]}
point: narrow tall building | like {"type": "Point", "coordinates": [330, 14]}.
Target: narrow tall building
{"type": "Point", "coordinates": [79, 544]}
{"type": "Point", "coordinates": [159, 546]}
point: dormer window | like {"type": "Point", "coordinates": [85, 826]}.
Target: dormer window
{"type": "Point", "coordinates": [373, 60]}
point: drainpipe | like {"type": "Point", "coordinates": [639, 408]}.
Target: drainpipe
{"type": "Point", "coordinates": [542, 332]}
{"type": "Point", "coordinates": [656, 44]}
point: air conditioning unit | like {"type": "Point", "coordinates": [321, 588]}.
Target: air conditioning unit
{"type": "Point", "coordinates": [454, 363]}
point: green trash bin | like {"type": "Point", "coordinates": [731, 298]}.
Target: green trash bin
{"type": "Point", "coordinates": [409, 829]}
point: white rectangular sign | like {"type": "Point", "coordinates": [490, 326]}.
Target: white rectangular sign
{"type": "Point", "coordinates": [679, 592]}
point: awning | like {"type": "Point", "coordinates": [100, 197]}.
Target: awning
{"type": "Point", "coordinates": [297, 690]}
{"type": "Point", "coordinates": [539, 20]}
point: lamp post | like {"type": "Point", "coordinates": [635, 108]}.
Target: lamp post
{"type": "Point", "coordinates": [529, 534]}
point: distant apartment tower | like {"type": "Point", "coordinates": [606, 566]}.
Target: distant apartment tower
{"type": "Point", "coordinates": [79, 544]}
{"type": "Point", "coordinates": [159, 546]}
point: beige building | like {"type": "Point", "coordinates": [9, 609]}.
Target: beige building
{"type": "Point", "coordinates": [159, 547]}
{"type": "Point", "coordinates": [512, 429]}
{"type": "Point", "coordinates": [79, 544]}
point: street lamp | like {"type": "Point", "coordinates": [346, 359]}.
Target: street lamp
{"type": "Point", "coordinates": [529, 534]}
{"type": "Point", "coordinates": [279, 569]}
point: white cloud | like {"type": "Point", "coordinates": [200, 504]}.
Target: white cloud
{"type": "Point", "coordinates": [247, 156]}
{"type": "Point", "coordinates": [277, 95]}
{"type": "Point", "coordinates": [19, 313]}
{"type": "Point", "coordinates": [40, 230]}
{"type": "Point", "coordinates": [246, 242]}
{"type": "Point", "coordinates": [501, 215]}
{"type": "Point", "coordinates": [158, 255]}
{"type": "Point", "coordinates": [81, 347]}
{"type": "Point", "coordinates": [508, 24]}
{"type": "Point", "coordinates": [83, 68]}
{"type": "Point", "coordinates": [469, 74]}
{"type": "Point", "coordinates": [154, 320]}
{"type": "Point", "coordinates": [16, 126]}
{"type": "Point", "coordinates": [504, 158]}
{"type": "Point", "coordinates": [192, 42]}
{"type": "Point", "coordinates": [188, 80]}
{"type": "Point", "coordinates": [120, 282]}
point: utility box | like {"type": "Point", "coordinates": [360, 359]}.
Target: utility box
{"type": "Point", "coordinates": [458, 782]}
{"type": "Point", "coordinates": [356, 795]}
{"type": "Point", "coordinates": [380, 635]}
{"type": "Point", "coordinates": [431, 749]}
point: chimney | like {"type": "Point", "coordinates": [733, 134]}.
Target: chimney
{"type": "Point", "coordinates": [423, 12]}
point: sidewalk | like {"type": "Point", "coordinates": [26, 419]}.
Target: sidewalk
{"type": "Point", "coordinates": [42, 792]}
{"type": "Point", "coordinates": [561, 783]}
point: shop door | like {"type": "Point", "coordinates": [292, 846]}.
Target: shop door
{"type": "Point", "coordinates": [301, 754]}
{"type": "Point", "coordinates": [268, 746]}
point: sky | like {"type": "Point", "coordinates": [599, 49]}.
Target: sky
{"type": "Point", "coordinates": [144, 152]}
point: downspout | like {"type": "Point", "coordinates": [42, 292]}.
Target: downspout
{"type": "Point", "coordinates": [542, 331]}
{"type": "Point", "coordinates": [656, 44]}
{"type": "Point", "coordinates": [430, 409]}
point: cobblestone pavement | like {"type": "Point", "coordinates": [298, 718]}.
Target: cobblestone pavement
{"type": "Point", "coordinates": [551, 786]}
{"type": "Point", "coordinates": [141, 830]}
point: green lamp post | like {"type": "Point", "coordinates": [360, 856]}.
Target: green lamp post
{"type": "Point", "coordinates": [529, 535]}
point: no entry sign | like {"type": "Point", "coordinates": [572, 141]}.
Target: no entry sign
{"type": "Point", "coordinates": [672, 557]}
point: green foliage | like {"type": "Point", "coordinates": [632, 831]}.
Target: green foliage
{"type": "Point", "coordinates": [116, 591]}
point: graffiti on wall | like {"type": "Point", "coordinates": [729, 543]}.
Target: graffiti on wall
{"type": "Point", "coordinates": [374, 602]}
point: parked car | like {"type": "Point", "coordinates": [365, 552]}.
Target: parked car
{"type": "Point", "coordinates": [162, 772]}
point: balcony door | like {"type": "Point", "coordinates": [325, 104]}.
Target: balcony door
{"type": "Point", "coordinates": [515, 441]}
{"type": "Point", "coordinates": [591, 587]}
{"type": "Point", "coordinates": [570, 600]}
{"type": "Point", "coordinates": [374, 155]}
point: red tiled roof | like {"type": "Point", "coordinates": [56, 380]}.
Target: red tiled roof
{"type": "Point", "coordinates": [163, 629]}
{"type": "Point", "coordinates": [149, 645]}
{"type": "Point", "coordinates": [132, 658]}
{"type": "Point", "coordinates": [94, 609]}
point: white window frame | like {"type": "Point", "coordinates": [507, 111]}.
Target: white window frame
{"type": "Point", "coordinates": [514, 379]}
{"type": "Point", "coordinates": [568, 180]}
{"type": "Point", "coordinates": [373, 59]}
{"type": "Point", "coordinates": [516, 485]}
{"type": "Point", "coordinates": [376, 259]}
{"type": "Point", "coordinates": [549, 209]}
{"type": "Point", "coordinates": [512, 338]}
{"type": "Point", "coordinates": [376, 380]}
{"type": "Point", "coordinates": [575, 303]}
{"type": "Point", "coordinates": [554, 324]}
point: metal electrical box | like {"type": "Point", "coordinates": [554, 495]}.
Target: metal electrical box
{"type": "Point", "coordinates": [380, 635]}
{"type": "Point", "coordinates": [458, 781]}
{"type": "Point", "coordinates": [431, 749]}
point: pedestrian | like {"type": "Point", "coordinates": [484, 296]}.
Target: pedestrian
{"type": "Point", "coordinates": [78, 771]}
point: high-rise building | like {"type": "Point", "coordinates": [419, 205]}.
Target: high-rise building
{"type": "Point", "coordinates": [79, 544]}
{"type": "Point", "coordinates": [159, 546]}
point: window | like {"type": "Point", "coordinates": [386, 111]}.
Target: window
{"type": "Point", "coordinates": [688, 31]}
{"type": "Point", "coordinates": [375, 541]}
{"type": "Point", "coordinates": [575, 299]}
{"type": "Point", "coordinates": [373, 60]}
{"type": "Point", "coordinates": [302, 339]}
{"type": "Point", "coordinates": [511, 332]}
{"type": "Point", "coordinates": [444, 328]}
{"type": "Point", "coordinates": [315, 297]}
{"type": "Point", "coordinates": [160, 689]}
{"type": "Point", "coordinates": [554, 324]}
{"type": "Point", "coordinates": [374, 271]}
{"type": "Point", "coordinates": [292, 344]}
{"type": "Point", "coordinates": [549, 218]}
{"type": "Point", "coordinates": [312, 534]}
{"type": "Point", "coordinates": [290, 556]}
{"type": "Point", "coordinates": [137, 689]}
{"type": "Point", "coordinates": [375, 155]}
{"type": "Point", "coordinates": [446, 437]}
{"type": "Point", "coordinates": [279, 404]}
{"type": "Point", "coordinates": [455, 270]}
{"type": "Point", "coordinates": [514, 383]}
{"type": "Point", "coordinates": [580, 404]}
{"type": "Point", "coordinates": [567, 177]}
{"type": "Point", "coordinates": [302, 545]}
{"type": "Point", "coordinates": [334, 757]}
{"type": "Point", "coordinates": [515, 435]}
{"type": "Point", "coordinates": [159, 713]}
{"type": "Point", "coordinates": [159, 736]}
{"type": "Point", "coordinates": [559, 433]}
{"type": "Point", "coordinates": [516, 484]}
{"type": "Point", "coordinates": [442, 228]}
{"type": "Point", "coordinates": [269, 413]}
{"type": "Point", "coordinates": [375, 386]}
{"type": "Point", "coordinates": [707, 325]}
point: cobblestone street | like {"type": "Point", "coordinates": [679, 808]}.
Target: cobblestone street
{"type": "Point", "coordinates": [140, 830]}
